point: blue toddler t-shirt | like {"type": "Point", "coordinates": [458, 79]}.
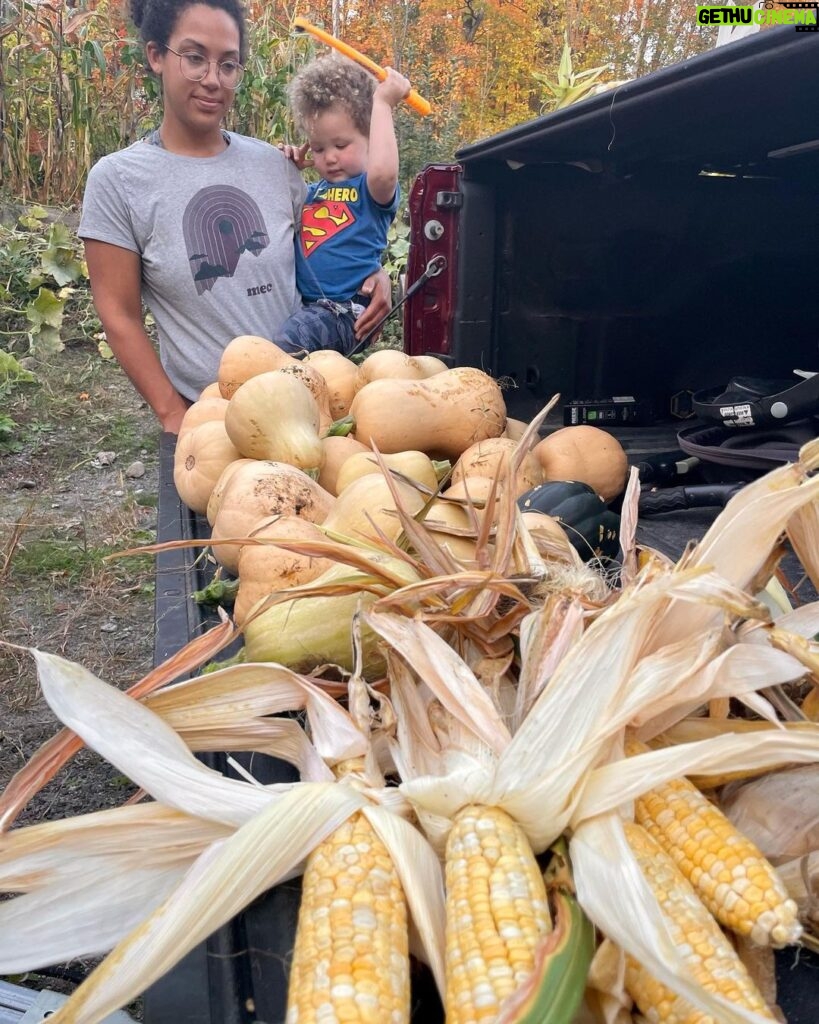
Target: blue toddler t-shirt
{"type": "Point", "coordinates": [342, 235]}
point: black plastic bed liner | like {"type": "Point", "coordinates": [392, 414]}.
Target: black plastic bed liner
{"type": "Point", "coordinates": [239, 975]}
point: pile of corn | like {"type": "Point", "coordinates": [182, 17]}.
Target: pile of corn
{"type": "Point", "coordinates": [524, 809]}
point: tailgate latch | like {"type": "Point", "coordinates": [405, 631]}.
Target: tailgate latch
{"type": "Point", "coordinates": [449, 200]}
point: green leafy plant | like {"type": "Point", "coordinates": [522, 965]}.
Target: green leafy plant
{"type": "Point", "coordinates": [570, 86]}
{"type": "Point", "coordinates": [40, 265]}
{"type": "Point", "coordinates": [397, 251]}
{"type": "Point", "coordinates": [12, 374]}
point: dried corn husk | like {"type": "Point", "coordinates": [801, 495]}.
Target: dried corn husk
{"type": "Point", "coordinates": [801, 879]}
{"type": "Point", "coordinates": [779, 812]}
{"type": "Point", "coordinates": [171, 893]}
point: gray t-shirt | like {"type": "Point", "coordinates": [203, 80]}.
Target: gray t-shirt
{"type": "Point", "coordinates": [215, 235]}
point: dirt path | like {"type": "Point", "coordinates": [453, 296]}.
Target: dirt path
{"type": "Point", "coordinates": [78, 481]}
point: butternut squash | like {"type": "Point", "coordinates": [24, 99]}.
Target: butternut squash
{"type": "Point", "coordinates": [442, 515]}
{"type": "Point", "coordinates": [274, 416]}
{"type": "Point", "coordinates": [491, 458]}
{"type": "Point", "coordinates": [257, 491]}
{"type": "Point", "coordinates": [366, 507]}
{"type": "Point", "coordinates": [514, 429]}
{"type": "Point", "coordinates": [307, 632]}
{"type": "Point", "coordinates": [587, 454]}
{"type": "Point", "coordinates": [201, 455]}
{"type": "Point", "coordinates": [341, 375]}
{"type": "Point", "coordinates": [315, 383]}
{"type": "Point", "coordinates": [549, 536]}
{"type": "Point", "coordinates": [336, 452]}
{"type": "Point", "coordinates": [388, 363]}
{"type": "Point", "coordinates": [442, 415]}
{"type": "Point", "coordinates": [265, 568]}
{"type": "Point", "coordinates": [430, 365]}
{"type": "Point", "coordinates": [247, 356]}
{"type": "Point", "coordinates": [415, 465]}
{"type": "Point", "coordinates": [475, 489]}
{"type": "Point", "coordinates": [216, 494]}
{"type": "Point", "coordinates": [202, 411]}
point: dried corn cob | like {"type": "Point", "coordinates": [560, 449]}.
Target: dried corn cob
{"type": "Point", "coordinates": [496, 909]}
{"type": "Point", "coordinates": [732, 878]}
{"type": "Point", "coordinates": [351, 959]}
{"type": "Point", "coordinates": [708, 954]}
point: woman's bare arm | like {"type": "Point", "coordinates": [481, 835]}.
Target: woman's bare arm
{"type": "Point", "coordinates": [117, 289]}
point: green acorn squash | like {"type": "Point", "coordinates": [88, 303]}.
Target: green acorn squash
{"type": "Point", "coordinates": [591, 527]}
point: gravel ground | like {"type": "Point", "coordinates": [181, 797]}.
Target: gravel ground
{"type": "Point", "coordinates": [78, 481]}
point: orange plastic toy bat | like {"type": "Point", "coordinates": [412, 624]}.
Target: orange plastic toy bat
{"type": "Point", "coordinates": [418, 103]}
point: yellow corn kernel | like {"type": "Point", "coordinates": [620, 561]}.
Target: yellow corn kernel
{"type": "Point", "coordinates": [732, 878]}
{"type": "Point", "coordinates": [496, 911]}
{"type": "Point", "coordinates": [351, 955]}
{"type": "Point", "coordinates": [711, 959]}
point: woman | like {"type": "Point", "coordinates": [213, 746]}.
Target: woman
{"type": "Point", "coordinates": [196, 221]}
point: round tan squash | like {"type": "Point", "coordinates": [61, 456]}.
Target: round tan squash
{"type": "Point", "coordinates": [414, 465]}
{"type": "Point", "coordinates": [491, 458]}
{"type": "Point", "coordinates": [336, 452]}
{"type": "Point", "coordinates": [246, 357]}
{"type": "Point", "coordinates": [219, 489]}
{"type": "Point", "coordinates": [587, 454]}
{"type": "Point", "coordinates": [211, 391]}
{"type": "Point", "coordinates": [203, 411]}
{"type": "Point", "coordinates": [257, 491]}
{"type": "Point", "coordinates": [201, 455]}
{"type": "Point", "coordinates": [514, 429]}
{"type": "Point", "coordinates": [274, 416]}
{"type": "Point", "coordinates": [266, 568]}
{"type": "Point", "coordinates": [442, 415]}
{"type": "Point", "coordinates": [366, 506]}
{"type": "Point", "coordinates": [341, 375]}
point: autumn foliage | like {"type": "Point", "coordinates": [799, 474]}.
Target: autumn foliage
{"type": "Point", "coordinates": [73, 86]}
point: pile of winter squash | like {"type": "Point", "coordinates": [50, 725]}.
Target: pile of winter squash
{"type": "Point", "coordinates": [301, 450]}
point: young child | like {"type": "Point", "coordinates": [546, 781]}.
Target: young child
{"type": "Point", "coordinates": [347, 118]}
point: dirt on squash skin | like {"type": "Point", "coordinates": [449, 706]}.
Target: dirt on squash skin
{"type": "Point", "coordinates": [72, 492]}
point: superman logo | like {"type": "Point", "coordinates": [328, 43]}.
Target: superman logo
{"type": "Point", "coordinates": [323, 220]}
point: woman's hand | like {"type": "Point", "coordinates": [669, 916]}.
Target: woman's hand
{"type": "Point", "coordinates": [172, 421]}
{"type": "Point", "coordinates": [377, 286]}
{"type": "Point", "coordinates": [296, 154]}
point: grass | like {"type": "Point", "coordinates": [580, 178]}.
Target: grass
{"type": "Point", "coordinates": [72, 560]}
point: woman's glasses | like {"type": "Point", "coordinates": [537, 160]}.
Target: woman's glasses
{"type": "Point", "coordinates": [195, 68]}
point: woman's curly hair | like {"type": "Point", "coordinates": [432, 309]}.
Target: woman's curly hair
{"type": "Point", "coordinates": [156, 19]}
{"type": "Point", "coordinates": [329, 82]}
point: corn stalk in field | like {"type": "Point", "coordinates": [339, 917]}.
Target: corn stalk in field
{"type": "Point", "coordinates": [74, 89]}
{"type": "Point", "coordinates": [260, 108]}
